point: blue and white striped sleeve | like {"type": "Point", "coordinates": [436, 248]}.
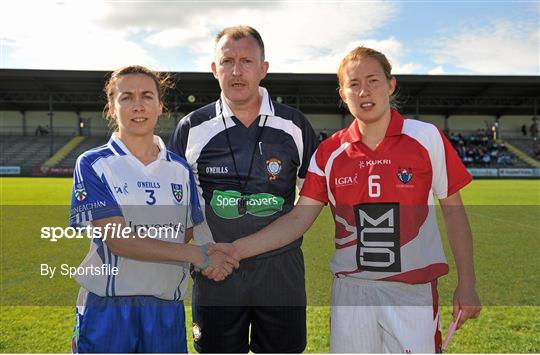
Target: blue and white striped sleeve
{"type": "Point", "coordinates": [91, 197]}
{"type": "Point", "coordinates": [195, 215]}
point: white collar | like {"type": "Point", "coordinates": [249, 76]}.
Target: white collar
{"type": "Point", "coordinates": [267, 108]}
{"type": "Point", "coordinates": [119, 148]}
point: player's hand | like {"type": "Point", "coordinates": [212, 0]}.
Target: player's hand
{"type": "Point", "coordinates": [221, 266]}
{"type": "Point", "coordinates": [226, 248]}
{"type": "Point", "coordinates": [466, 299]}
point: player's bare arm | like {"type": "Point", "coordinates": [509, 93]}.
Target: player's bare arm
{"type": "Point", "coordinates": [460, 238]}
{"type": "Point", "coordinates": [281, 232]}
{"type": "Point", "coordinates": [155, 250]}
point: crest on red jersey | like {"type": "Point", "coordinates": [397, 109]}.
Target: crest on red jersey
{"type": "Point", "coordinates": [405, 175]}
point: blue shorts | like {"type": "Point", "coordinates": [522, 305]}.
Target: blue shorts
{"type": "Point", "coordinates": [130, 324]}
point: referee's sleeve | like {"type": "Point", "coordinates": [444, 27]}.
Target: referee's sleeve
{"type": "Point", "coordinates": [178, 140]}
{"type": "Point", "coordinates": [310, 145]}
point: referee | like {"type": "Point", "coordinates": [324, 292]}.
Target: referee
{"type": "Point", "coordinates": [247, 153]}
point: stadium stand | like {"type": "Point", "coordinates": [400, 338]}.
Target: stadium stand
{"type": "Point", "coordinates": [527, 145]}
{"type": "Point", "coordinates": [28, 151]}
{"type": "Point", "coordinates": [61, 153]}
{"type": "Point", "coordinates": [88, 143]}
{"type": "Point", "coordinates": [479, 150]}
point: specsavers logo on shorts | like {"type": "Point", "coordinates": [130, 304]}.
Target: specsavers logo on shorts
{"type": "Point", "coordinates": [225, 204]}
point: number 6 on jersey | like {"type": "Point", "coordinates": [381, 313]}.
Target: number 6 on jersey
{"type": "Point", "coordinates": [374, 188]}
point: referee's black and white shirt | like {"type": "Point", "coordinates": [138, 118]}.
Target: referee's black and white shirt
{"type": "Point", "coordinates": [280, 156]}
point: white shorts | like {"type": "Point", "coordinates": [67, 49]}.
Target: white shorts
{"type": "Point", "coordinates": [384, 317]}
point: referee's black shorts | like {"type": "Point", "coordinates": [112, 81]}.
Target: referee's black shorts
{"type": "Point", "coordinates": [266, 294]}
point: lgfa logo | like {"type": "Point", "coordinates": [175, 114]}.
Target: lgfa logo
{"type": "Point", "coordinates": [346, 180]}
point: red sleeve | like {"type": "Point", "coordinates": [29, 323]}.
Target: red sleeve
{"type": "Point", "coordinates": [315, 182]}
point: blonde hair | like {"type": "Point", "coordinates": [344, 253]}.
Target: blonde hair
{"type": "Point", "coordinates": [360, 53]}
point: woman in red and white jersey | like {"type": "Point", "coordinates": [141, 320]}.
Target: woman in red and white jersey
{"type": "Point", "coordinates": [380, 177]}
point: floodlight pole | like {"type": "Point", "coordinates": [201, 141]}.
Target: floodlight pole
{"type": "Point", "coordinates": [534, 132]}
{"type": "Point", "coordinates": [51, 131]}
{"type": "Point", "coordinates": [80, 123]}
{"type": "Point", "coordinates": [535, 116]}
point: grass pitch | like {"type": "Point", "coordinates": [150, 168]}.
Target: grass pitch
{"type": "Point", "coordinates": [37, 313]}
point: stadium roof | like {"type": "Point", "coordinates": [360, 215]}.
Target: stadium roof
{"type": "Point", "coordinates": [78, 91]}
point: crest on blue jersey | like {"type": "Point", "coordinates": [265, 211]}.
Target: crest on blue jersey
{"type": "Point", "coordinates": [273, 167]}
{"type": "Point", "coordinates": [405, 175]}
{"type": "Point", "coordinates": [80, 192]}
{"type": "Point", "coordinates": [178, 192]}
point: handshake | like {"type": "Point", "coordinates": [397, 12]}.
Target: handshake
{"type": "Point", "coordinates": [219, 260]}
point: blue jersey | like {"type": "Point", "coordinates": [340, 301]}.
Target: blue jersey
{"type": "Point", "coordinates": [157, 200]}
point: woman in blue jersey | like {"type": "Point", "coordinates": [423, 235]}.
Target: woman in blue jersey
{"type": "Point", "coordinates": [141, 201]}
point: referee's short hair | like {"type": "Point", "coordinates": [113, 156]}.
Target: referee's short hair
{"type": "Point", "coordinates": [239, 32]}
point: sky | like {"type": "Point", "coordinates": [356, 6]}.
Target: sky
{"type": "Point", "coordinates": [418, 37]}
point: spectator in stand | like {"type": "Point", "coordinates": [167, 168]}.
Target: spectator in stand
{"type": "Point", "coordinates": [486, 159]}
{"type": "Point", "coordinates": [40, 131]}
{"type": "Point", "coordinates": [533, 129]}
{"type": "Point", "coordinates": [479, 149]}
{"type": "Point", "coordinates": [323, 135]}
{"type": "Point", "coordinates": [524, 130]}
{"type": "Point", "coordinates": [536, 152]}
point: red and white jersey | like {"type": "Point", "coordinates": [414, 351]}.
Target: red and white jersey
{"type": "Point", "coordinates": [382, 200]}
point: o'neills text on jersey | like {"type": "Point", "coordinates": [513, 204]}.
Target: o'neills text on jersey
{"type": "Point", "coordinates": [217, 170]}
{"type": "Point", "coordinates": [148, 184]}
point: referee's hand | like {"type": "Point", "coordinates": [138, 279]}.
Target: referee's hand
{"type": "Point", "coordinates": [225, 248]}
{"type": "Point", "coordinates": [221, 264]}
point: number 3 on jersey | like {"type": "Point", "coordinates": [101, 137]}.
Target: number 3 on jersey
{"type": "Point", "coordinates": [151, 198]}
{"type": "Point", "coordinates": [374, 188]}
